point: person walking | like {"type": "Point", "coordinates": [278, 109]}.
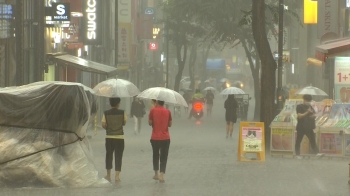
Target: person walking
{"type": "Point", "coordinates": [160, 120]}
{"type": "Point", "coordinates": [113, 121]}
{"type": "Point", "coordinates": [231, 106]}
{"type": "Point", "coordinates": [209, 100]}
{"type": "Point", "coordinates": [306, 125]}
{"type": "Point", "coordinates": [137, 111]}
{"type": "Point", "coordinates": [187, 98]}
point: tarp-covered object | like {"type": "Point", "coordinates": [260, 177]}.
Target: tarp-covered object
{"type": "Point", "coordinates": [42, 135]}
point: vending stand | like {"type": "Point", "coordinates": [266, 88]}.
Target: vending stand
{"type": "Point", "coordinates": [334, 134]}
{"type": "Point", "coordinates": [283, 128]}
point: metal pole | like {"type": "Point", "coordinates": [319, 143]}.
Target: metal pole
{"type": "Point", "coordinates": [116, 32]}
{"type": "Point", "coordinates": [167, 58]}
{"type": "Point", "coordinates": [280, 56]}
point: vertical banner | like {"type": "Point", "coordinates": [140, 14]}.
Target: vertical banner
{"type": "Point", "coordinates": [92, 22]}
{"type": "Point", "coordinates": [327, 17]}
{"type": "Point", "coordinates": [342, 80]}
{"type": "Point", "coordinates": [251, 140]}
{"type": "Point", "coordinates": [124, 42]}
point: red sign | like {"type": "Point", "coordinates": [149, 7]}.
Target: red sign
{"type": "Point", "coordinates": [153, 46]}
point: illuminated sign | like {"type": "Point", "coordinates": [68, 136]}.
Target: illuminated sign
{"type": "Point", "coordinates": [153, 46]}
{"type": "Point", "coordinates": [91, 30]}
{"type": "Point", "coordinates": [60, 12]}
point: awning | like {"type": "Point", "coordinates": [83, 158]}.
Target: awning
{"type": "Point", "coordinates": [332, 48]}
{"type": "Point", "coordinates": [312, 61]}
{"type": "Point", "coordinates": [84, 65]}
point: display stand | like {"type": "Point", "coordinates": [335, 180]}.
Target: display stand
{"type": "Point", "coordinates": [283, 130]}
{"type": "Point", "coordinates": [334, 136]}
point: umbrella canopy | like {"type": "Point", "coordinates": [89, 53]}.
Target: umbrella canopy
{"type": "Point", "coordinates": [163, 94]}
{"type": "Point", "coordinates": [209, 88]}
{"type": "Point", "coordinates": [224, 80]}
{"type": "Point", "coordinates": [232, 91]}
{"type": "Point", "coordinates": [311, 90]}
{"type": "Point", "coordinates": [116, 88]}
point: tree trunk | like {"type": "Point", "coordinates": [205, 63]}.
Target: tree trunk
{"type": "Point", "coordinates": [181, 64]}
{"type": "Point", "coordinates": [268, 66]}
{"type": "Point", "coordinates": [204, 62]}
{"type": "Point", "coordinates": [255, 73]}
{"type": "Point", "coordinates": [257, 89]}
{"type": "Point", "coordinates": [192, 61]}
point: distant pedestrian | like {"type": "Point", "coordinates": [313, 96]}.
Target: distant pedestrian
{"type": "Point", "coordinates": [137, 112]}
{"type": "Point", "coordinates": [306, 125]}
{"type": "Point", "coordinates": [160, 120]}
{"type": "Point", "coordinates": [209, 100]}
{"type": "Point", "coordinates": [231, 106]}
{"type": "Point", "coordinates": [113, 121]}
{"type": "Point", "coordinates": [187, 98]}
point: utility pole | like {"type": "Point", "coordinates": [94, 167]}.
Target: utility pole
{"type": "Point", "coordinates": [280, 98]}
{"type": "Point", "coordinates": [167, 57]}
{"type": "Point", "coordinates": [116, 2]}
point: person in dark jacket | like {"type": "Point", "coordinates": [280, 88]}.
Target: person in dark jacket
{"type": "Point", "coordinates": [113, 121]}
{"type": "Point", "coordinates": [231, 106]}
{"type": "Point", "coordinates": [209, 100]}
{"type": "Point", "coordinates": [137, 112]}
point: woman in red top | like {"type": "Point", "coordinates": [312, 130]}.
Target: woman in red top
{"type": "Point", "coordinates": [160, 120]}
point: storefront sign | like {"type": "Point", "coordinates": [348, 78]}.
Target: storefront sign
{"type": "Point", "coordinates": [92, 25]}
{"type": "Point", "coordinates": [153, 46]}
{"type": "Point", "coordinates": [124, 42]}
{"type": "Point", "coordinates": [342, 79]}
{"type": "Point", "coordinates": [327, 17]}
{"type": "Point", "coordinates": [60, 12]}
{"type": "Point", "coordinates": [282, 139]}
{"type": "Point", "coordinates": [251, 140]}
{"type": "Point", "coordinates": [6, 16]}
{"type": "Point", "coordinates": [124, 11]}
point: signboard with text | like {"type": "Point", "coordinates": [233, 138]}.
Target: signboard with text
{"type": "Point", "coordinates": [327, 20]}
{"type": "Point", "coordinates": [92, 22]}
{"type": "Point", "coordinates": [251, 140]}
{"type": "Point", "coordinates": [342, 79]}
{"type": "Point", "coordinates": [124, 42]}
{"type": "Point", "coordinates": [60, 12]}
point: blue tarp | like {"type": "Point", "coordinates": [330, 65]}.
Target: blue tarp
{"type": "Point", "coordinates": [216, 64]}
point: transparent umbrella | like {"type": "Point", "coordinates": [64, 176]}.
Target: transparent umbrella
{"type": "Point", "coordinates": [209, 88]}
{"type": "Point", "coordinates": [232, 91]}
{"type": "Point", "coordinates": [311, 90]}
{"type": "Point", "coordinates": [116, 88]}
{"type": "Point", "coordinates": [163, 94]}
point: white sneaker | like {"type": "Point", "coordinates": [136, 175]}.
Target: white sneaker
{"type": "Point", "coordinates": [299, 157]}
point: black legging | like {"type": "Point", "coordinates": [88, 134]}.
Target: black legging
{"type": "Point", "coordinates": [310, 135]}
{"type": "Point", "coordinates": [161, 146]}
{"type": "Point", "coordinates": [116, 146]}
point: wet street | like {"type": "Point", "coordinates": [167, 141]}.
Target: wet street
{"type": "Point", "coordinates": [203, 162]}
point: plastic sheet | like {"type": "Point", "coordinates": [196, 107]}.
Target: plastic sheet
{"type": "Point", "coordinates": [42, 135]}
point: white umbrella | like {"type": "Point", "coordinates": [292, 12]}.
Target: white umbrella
{"type": "Point", "coordinates": [209, 88]}
{"type": "Point", "coordinates": [311, 90]}
{"type": "Point", "coordinates": [163, 94]}
{"type": "Point", "coordinates": [224, 80]}
{"type": "Point", "coordinates": [232, 91]}
{"type": "Point", "coordinates": [116, 88]}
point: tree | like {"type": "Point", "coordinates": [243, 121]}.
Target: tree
{"type": "Point", "coordinates": [181, 30]}
{"type": "Point", "coordinates": [268, 64]}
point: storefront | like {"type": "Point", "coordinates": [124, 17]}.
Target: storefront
{"type": "Point", "coordinates": [336, 58]}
